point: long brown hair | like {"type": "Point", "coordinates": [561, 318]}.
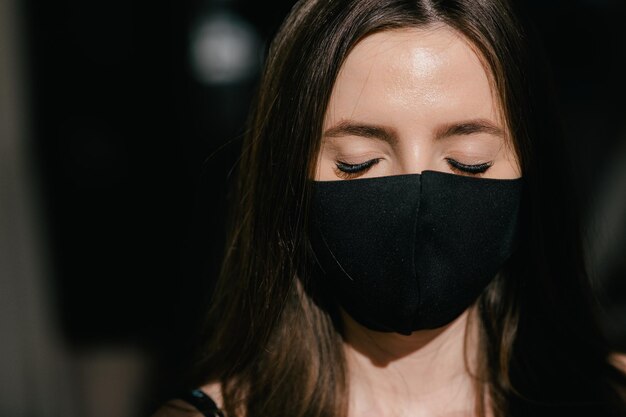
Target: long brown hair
{"type": "Point", "coordinates": [271, 339]}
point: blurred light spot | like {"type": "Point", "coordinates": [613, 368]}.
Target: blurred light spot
{"type": "Point", "coordinates": [224, 49]}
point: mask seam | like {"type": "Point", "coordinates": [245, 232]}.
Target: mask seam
{"type": "Point", "coordinates": [414, 249]}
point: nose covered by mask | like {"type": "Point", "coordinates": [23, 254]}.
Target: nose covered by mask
{"type": "Point", "coordinates": [409, 252]}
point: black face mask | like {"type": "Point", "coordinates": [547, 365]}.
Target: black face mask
{"type": "Point", "coordinates": [410, 252]}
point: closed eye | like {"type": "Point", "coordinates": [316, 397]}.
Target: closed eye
{"type": "Point", "coordinates": [347, 171]}
{"type": "Point", "coordinates": [468, 169]}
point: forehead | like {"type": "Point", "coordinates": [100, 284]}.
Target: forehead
{"type": "Point", "coordinates": [424, 75]}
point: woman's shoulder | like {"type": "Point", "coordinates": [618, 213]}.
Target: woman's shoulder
{"type": "Point", "coordinates": [202, 402]}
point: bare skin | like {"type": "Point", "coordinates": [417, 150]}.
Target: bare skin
{"type": "Point", "coordinates": [412, 99]}
{"type": "Point", "coordinates": [423, 374]}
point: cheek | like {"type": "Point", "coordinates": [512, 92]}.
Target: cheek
{"type": "Point", "coordinates": [317, 167]}
{"type": "Point", "coordinates": [323, 169]}
{"type": "Point", "coordinates": [508, 164]}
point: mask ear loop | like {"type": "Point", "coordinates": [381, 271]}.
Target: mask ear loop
{"type": "Point", "coordinates": [319, 293]}
{"type": "Point", "coordinates": [334, 258]}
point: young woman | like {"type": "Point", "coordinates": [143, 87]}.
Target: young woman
{"type": "Point", "coordinates": [404, 241]}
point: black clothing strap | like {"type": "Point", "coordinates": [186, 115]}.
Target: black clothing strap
{"type": "Point", "coordinates": [202, 402]}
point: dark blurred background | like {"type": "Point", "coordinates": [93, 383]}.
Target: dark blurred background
{"type": "Point", "coordinates": [120, 124]}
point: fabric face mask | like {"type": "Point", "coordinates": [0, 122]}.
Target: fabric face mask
{"type": "Point", "coordinates": [410, 252]}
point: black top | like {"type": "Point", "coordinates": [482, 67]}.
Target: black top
{"type": "Point", "coordinates": [202, 402]}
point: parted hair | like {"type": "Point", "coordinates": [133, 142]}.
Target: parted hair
{"type": "Point", "coordinates": [272, 338]}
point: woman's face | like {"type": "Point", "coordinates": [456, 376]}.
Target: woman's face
{"type": "Point", "coordinates": [412, 100]}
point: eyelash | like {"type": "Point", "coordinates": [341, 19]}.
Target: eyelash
{"type": "Point", "coordinates": [468, 169]}
{"type": "Point", "coordinates": [347, 171]}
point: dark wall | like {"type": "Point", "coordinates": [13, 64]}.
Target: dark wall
{"type": "Point", "coordinates": [134, 154]}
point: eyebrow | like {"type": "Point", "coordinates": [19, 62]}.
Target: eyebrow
{"type": "Point", "coordinates": [467, 127]}
{"type": "Point", "coordinates": [351, 128]}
